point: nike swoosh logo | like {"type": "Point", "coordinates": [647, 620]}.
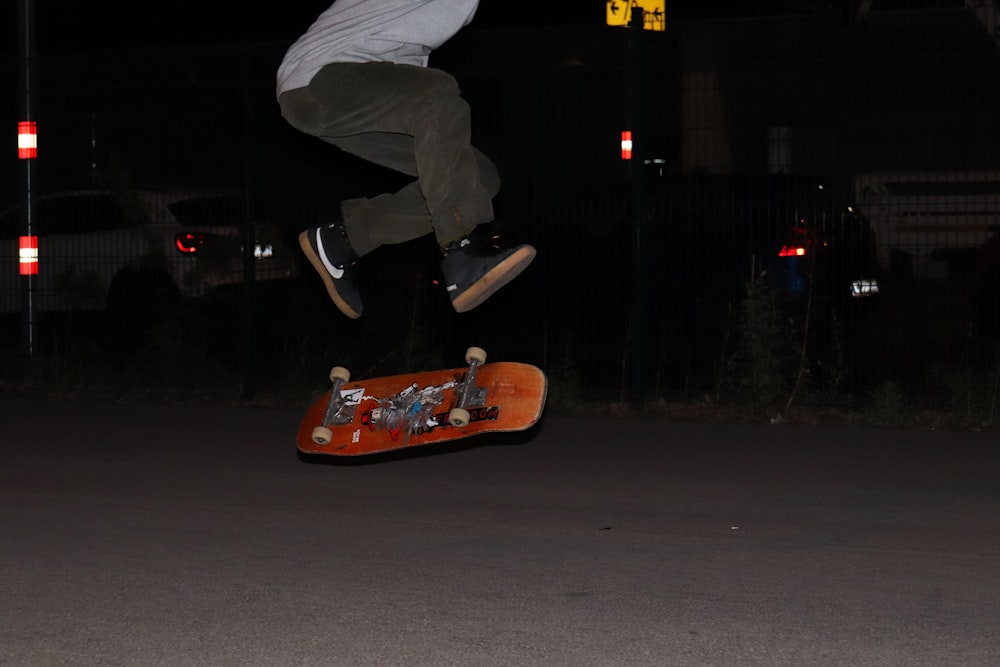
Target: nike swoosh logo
{"type": "Point", "coordinates": [336, 271]}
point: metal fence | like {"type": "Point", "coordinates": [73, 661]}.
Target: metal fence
{"type": "Point", "coordinates": [870, 143]}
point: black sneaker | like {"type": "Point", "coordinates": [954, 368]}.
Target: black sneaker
{"type": "Point", "coordinates": [475, 268]}
{"type": "Point", "coordinates": [330, 254]}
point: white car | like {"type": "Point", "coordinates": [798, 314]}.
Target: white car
{"type": "Point", "coordinates": [88, 237]}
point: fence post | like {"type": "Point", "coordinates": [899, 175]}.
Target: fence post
{"type": "Point", "coordinates": [636, 343]}
{"type": "Point", "coordinates": [249, 336]}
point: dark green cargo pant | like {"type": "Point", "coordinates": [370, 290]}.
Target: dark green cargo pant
{"type": "Point", "coordinates": [410, 119]}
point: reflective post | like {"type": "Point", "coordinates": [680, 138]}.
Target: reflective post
{"type": "Point", "coordinates": [27, 152]}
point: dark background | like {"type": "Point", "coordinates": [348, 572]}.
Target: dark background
{"type": "Point", "coordinates": [177, 94]}
{"type": "Point", "coordinates": [73, 25]}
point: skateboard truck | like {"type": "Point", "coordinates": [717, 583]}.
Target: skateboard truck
{"type": "Point", "coordinates": [469, 394]}
{"type": "Point", "coordinates": [338, 411]}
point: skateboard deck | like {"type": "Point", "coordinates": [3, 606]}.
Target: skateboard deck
{"type": "Point", "coordinates": [382, 414]}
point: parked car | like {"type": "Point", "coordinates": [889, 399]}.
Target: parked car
{"type": "Point", "coordinates": [834, 258]}
{"type": "Point", "coordinates": [930, 225]}
{"type": "Point", "coordinates": [93, 242]}
{"type": "Point", "coordinates": [827, 277]}
{"type": "Point", "coordinates": [704, 238]}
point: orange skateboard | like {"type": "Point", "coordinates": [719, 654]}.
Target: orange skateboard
{"type": "Point", "coordinates": [382, 414]}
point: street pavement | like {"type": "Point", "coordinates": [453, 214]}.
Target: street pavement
{"type": "Point", "coordinates": [143, 534]}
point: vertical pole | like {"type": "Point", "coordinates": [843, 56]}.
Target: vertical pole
{"type": "Point", "coordinates": [26, 108]}
{"type": "Point", "coordinates": [249, 328]}
{"type": "Point", "coordinates": [634, 118]}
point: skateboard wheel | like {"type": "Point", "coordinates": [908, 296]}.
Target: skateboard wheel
{"type": "Point", "coordinates": [321, 435]}
{"type": "Point", "coordinates": [340, 373]}
{"type": "Point", "coordinates": [476, 354]}
{"type": "Point", "coordinates": [458, 417]}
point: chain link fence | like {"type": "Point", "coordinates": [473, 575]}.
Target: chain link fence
{"type": "Point", "coordinates": [811, 215]}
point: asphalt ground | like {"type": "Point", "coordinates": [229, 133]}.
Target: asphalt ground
{"type": "Point", "coordinates": [139, 534]}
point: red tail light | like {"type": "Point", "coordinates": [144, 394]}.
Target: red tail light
{"type": "Point", "coordinates": [188, 243]}
{"type": "Point", "coordinates": [792, 251]}
{"type": "Point", "coordinates": [799, 241]}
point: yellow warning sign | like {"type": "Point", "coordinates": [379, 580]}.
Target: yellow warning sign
{"type": "Point", "coordinates": [653, 18]}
